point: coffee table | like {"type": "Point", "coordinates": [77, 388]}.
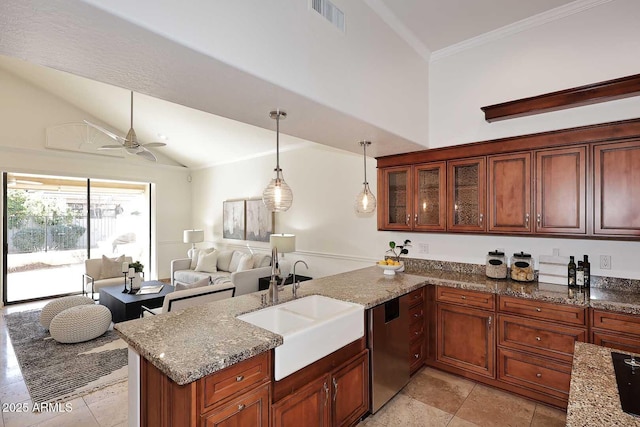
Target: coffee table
{"type": "Point", "coordinates": [128, 306]}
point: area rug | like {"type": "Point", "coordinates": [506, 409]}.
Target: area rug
{"type": "Point", "coordinates": [59, 372]}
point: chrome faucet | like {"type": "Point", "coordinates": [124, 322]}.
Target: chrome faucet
{"type": "Point", "coordinates": [295, 285]}
{"type": "Point", "coordinates": [275, 273]}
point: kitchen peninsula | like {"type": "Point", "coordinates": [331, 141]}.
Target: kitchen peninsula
{"type": "Point", "coordinates": [202, 341]}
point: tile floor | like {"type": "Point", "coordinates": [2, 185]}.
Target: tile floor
{"type": "Point", "coordinates": [432, 398]}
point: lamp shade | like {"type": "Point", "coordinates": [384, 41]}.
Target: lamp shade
{"type": "Point", "coordinates": [193, 236]}
{"type": "Point", "coordinates": [285, 243]}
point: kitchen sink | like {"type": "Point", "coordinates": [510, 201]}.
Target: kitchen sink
{"type": "Point", "coordinates": [311, 327]}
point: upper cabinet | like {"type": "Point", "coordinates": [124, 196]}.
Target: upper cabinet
{"type": "Point", "coordinates": [466, 194]}
{"type": "Point", "coordinates": [561, 191]}
{"type": "Point", "coordinates": [412, 197]}
{"type": "Point", "coordinates": [510, 193]}
{"type": "Point", "coordinates": [617, 188]}
{"type": "Point", "coordinates": [579, 182]}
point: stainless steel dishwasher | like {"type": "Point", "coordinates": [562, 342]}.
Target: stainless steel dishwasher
{"type": "Point", "coordinates": [388, 342]}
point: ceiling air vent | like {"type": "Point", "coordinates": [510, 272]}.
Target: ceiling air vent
{"type": "Point", "coordinates": [330, 12]}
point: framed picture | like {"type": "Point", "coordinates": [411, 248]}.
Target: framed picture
{"type": "Point", "coordinates": [233, 219]}
{"type": "Point", "coordinates": [259, 221]}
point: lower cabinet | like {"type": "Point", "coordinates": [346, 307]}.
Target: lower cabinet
{"type": "Point", "coordinates": [615, 330]}
{"type": "Point", "coordinates": [250, 409]}
{"type": "Point", "coordinates": [417, 340]}
{"type": "Point", "coordinates": [338, 397]}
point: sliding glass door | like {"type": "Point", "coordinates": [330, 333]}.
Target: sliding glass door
{"type": "Point", "coordinates": [52, 224]}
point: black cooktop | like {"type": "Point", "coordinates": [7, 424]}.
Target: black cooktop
{"type": "Point", "coordinates": [628, 379]}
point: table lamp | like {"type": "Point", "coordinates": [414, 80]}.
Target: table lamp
{"type": "Point", "coordinates": [285, 243]}
{"type": "Point", "coordinates": [193, 237]}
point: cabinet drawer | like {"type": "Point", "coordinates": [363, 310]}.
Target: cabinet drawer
{"type": "Point", "coordinates": [543, 310]}
{"type": "Point", "coordinates": [465, 297]}
{"type": "Point", "coordinates": [218, 387]}
{"type": "Point", "coordinates": [250, 409]}
{"type": "Point", "coordinates": [615, 322]}
{"type": "Point", "coordinates": [543, 338]}
{"type": "Point", "coordinates": [535, 373]}
{"type": "Point", "coordinates": [619, 342]}
{"type": "Point", "coordinates": [416, 355]}
{"type": "Point", "coordinates": [416, 331]}
{"type": "Point", "coordinates": [416, 314]}
{"type": "Point", "coordinates": [416, 297]}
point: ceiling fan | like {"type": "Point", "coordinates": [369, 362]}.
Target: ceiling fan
{"type": "Point", "coordinates": [130, 142]}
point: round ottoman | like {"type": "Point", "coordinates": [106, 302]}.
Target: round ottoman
{"type": "Point", "coordinates": [52, 309]}
{"type": "Point", "coordinates": [80, 323]}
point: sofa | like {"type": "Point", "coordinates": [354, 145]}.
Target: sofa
{"type": "Point", "coordinates": [241, 269]}
{"type": "Point", "coordinates": [191, 297]}
{"type": "Point", "coordinates": [105, 271]}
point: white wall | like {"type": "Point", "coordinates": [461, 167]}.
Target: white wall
{"type": "Point", "coordinates": [26, 111]}
{"type": "Point", "coordinates": [287, 43]}
{"type": "Point", "coordinates": [599, 44]}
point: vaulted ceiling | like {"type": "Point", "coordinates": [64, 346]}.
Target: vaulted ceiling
{"type": "Point", "coordinates": [208, 126]}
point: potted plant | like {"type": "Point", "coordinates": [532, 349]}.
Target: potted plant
{"type": "Point", "coordinates": [137, 279]}
{"type": "Point", "coordinates": [399, 250]}
{"type": "Point", "coordinates": [137, 266]}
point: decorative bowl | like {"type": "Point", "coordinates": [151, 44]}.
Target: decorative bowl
{"type": "Point", "coordinates": [390, 270]}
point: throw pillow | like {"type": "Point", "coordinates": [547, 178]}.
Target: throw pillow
{"type": "Point", "coordinates": [224, 259]}
{"type": "Point", "coordinates": [194, 256]}
{"type": "Point", "coordinates": [246, 263]}
{"type": "Point", "coordinates": [235, 261]}
{"type": "Point", "coordinates": [207, 262]}
{"type": "Point", "coordinates": [111, 267]}
{"type": "Point", "coordinates": [261, 260]}
{"type": "Point", "coordinates": [199, 284]}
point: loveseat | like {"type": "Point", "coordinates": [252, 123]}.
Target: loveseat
{"type": "Point", "coordinates": [241, 269]}
{"type": "Point", "coordinates": [99, 272]}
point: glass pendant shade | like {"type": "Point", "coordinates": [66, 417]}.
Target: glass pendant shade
{"type": "Point", "coordinates": [365, 200]}
{"type": "Point", "coordinates": [277, 197]}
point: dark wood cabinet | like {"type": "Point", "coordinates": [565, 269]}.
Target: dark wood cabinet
{"type": "Point", "coordinates": [417, 326]}
{"type": "Point", "coordinates": [465, 338]}
{"type": "Point", "coordinates": [337, 398]}
{"type": "Point", "coordinates": [615, 330]}
{"type": "Point", "coordinates": [250, 409]}
{"type": "Point", "coordinates": [561, 191]}
{"type": "Point", "coordinates": [413, 197]}
{"type": "Point", "coordinates": [510, 193]}
{"type": "Point", "coordinates": [394, 198]}
{"type": "Point", "coordinates": [616, 183]}
{"type": "Point", "coordinates": [466, 186]}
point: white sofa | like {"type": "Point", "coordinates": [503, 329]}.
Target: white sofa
{"type": "Point", "coordinates": [179, 300]}
{"type": "Point", "coordinates": [98, 274]}
{"type": "Point", "coordinates": [227, 265]}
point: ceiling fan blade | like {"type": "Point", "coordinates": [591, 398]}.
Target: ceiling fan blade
{"type": "Point", "coordinates": [110, 147]}
{"type": "Point", "coordinates": [105, 131]}
{"type": "Point", "coordinates": [147, 155]}
{"type": "Point", "coordinates": [154, 144]}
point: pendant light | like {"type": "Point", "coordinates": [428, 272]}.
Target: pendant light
{"type": "Point", "coordinates": [365, 200]}
{"type": "Point", "coordinates": [277, 197]}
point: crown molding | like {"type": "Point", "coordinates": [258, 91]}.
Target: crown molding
{"type": "Point", "coordinates": [517, 27]}
{"type": "Point", "coordinates": [399, 28]}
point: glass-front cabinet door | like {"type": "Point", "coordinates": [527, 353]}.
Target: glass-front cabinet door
{"type": "Point", "coordinates": [395, 198]}
{"type": "Point", "coordinates": [466, 194]}
{"type": "Point", "coordinates": [429, 209]}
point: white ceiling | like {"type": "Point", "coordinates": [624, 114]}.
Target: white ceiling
{"type": "Point", "coordinates": [197, 138]}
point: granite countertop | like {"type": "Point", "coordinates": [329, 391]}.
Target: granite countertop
{"type": "Point", "coordinates": [593, 396]}
{"type": "Point", "coordinates": [190, 344]}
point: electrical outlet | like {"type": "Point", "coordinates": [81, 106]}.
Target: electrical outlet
{"type": "Point", "coordinates": [556, 252]}
{"type": "Point", "coordinates": [605, 262]}
{"type": "Point", "coordinates": [423, 248]}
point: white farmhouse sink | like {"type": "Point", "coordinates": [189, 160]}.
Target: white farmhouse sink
{"type": "Point", "coordinates": [311, 327]}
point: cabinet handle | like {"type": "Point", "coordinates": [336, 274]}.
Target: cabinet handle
{"type": "Point", "coordinates": [539, 375]}
{"type": "Point", "coordinates": [416, 315]}
{"type": "Point", "coordinates": [538, 309]}
{"type": "Point", "coordinates": [408, 218]}
{"type": "Point", "coordinates": [240, 407]}
{"type": "Point", "coordinates": [539, 219]}
{"type": "Point", "coordinates": [490, 319]}
{"type": "Point", "coordinates": [526, 220]}
{"type": "Point", "coordinates": [416, 333]}
{"type": "Point", "coordinates": [481, 218]}
{"type": "Point", "coordinates": [416, 219]}
{"type": "Point", "coordinates": [335, 389]}
{"type": "Point", "coordinates": [538, 339]}
{"type": "Point", "coordinates": [463, 297]}
{"type": "Point", "coordinates": [239, 378]}
{"type": "Point", "coordinates": [416, 356]}
{"type": "Point", "coordinates": [326, 393]}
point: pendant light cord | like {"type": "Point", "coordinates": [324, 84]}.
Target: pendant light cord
{"type": "Point", "coordinates": [364, 144]}
{"type": "Point", "coordinates": [278, 143]}
{"type": "Point", "coordinates": [132, 109]}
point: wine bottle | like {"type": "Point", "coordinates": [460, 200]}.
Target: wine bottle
{"type": "Point", "coordinates": [580, 275]}
{"type": "Point", "coordinates": [586, 267]}
{"type": "Point", "coordinates": [571, 276]}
